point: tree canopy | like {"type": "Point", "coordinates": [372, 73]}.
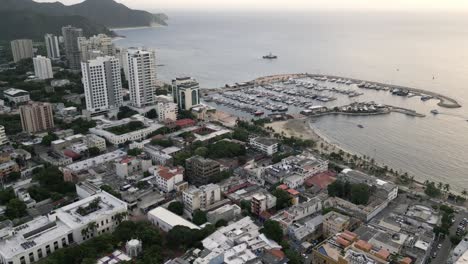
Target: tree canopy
{"type": "Point", "coordinates": [176, 207]}
{"type": "Point", "coordinates": [272, 229]}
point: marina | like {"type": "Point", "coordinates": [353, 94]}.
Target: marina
{"type": "Point", "coordinates": [309, 95]}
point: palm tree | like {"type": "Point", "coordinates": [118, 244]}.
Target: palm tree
{"type": "Point", "coordinates": [447, 187]}
{"type": "Point", "coordinates": [464, 192]}
{"type": "Point", "coordinates": [440, 186]}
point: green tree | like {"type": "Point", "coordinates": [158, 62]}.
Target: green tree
{"type": "Point", "coordinates": [221, 223]}
{"type": "Point", "coordinates": [431, 190]}
{"type": "Point", "coordinates": [6, 195]}
{"type": "Point", "coordinates": [134, 152]}
{"type": "Point", "coordinates": [272, 229]}
{"type": "Point", "coordinates": [201, 151]}
{"type": "Point", "coordinates": [360, 194]}
{"type": "Point", "coordinates": [176, 207]}
{"type": "Point", "coordinates": [111, 191]}
{"type": "Point", "coordinates": [240, 134]}
{"type": "Point", "coordinates": [152, 114]}
{"type": "Point", "coordinates": [283, 199]}
{"type": "Point", "coordinates": [14, 176]}
{"type": "Point", "coordinates": [47, 140]}
{"type": "Point", "coordinates": [180, 157]}
{"type": "Point", "coordinates": [15, 208]}
{"type": "Point", "coordinates": [199, 217]}
{"type": "Point", "coordinates": [162, 142]}
{"type": "Point", "coordinates": [94, 151]}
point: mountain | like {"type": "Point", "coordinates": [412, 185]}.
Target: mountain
{"type": "Point", "coordinates": [29, 19]}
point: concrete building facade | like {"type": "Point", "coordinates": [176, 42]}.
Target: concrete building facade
{"type": "Point", "coordinates": [72, 51]}
{"type": "Point", "coordinates": [22, 49]}
{"type": "Point", "coordinates": [185, 91]}
{"type": "Point", "coordinates": [43, 68]}
{"type": "Point", "coordinates": [199, 170]}
{"type": "Point", "coordinates": [102, 83]}
{"type": "Point", "coordinates": [142, 76]}
{"type": "Point", "coordinates": [52, 46]}
{"type": "Point", "coordinates": [36, 117]}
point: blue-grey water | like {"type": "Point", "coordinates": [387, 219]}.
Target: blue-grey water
{"type": "Point", "coordinates": [422, 50]}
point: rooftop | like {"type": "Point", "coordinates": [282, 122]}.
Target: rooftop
{"type": "Point", "coordinates": [15, 92]}
{"type": "Point", "coordinates": [171, 218]}
{"type": "Point", "coordinates": [266, 141]}
{"type": "Point", "coordinates": [89, 163]}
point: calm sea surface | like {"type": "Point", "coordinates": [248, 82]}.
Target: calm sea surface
{"type": "Point", "coordinates": [421, 50]}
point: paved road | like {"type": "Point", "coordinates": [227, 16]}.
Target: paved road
{"type": "Point", "coordinates": [444, 251]}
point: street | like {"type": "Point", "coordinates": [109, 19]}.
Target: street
{"type": "Point", "coordinates": [444, 251]}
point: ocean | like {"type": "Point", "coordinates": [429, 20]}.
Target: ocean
{"type": "Point", "coordinates": [425, 50]}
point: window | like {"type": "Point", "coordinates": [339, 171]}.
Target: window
{"type": "Point", "coordinates": [39, 253]}
{"type": "Point", "coordinates": [56, 246]}
{"type": "Point", "coordinates": [31, 257]}
{"type": "Point", "coordinates": [64, 242]}
{"type": "Point", "coordinates": [22, 260]}
{"type": "Point", "coordinates": [47, 248]}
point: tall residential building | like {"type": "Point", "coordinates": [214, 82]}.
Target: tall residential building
{"type": "Point", "coordinates": [21, 49]}
{"type": "Point", "coordinates": [96, 46]}
{"type": "Point", "coordinates": [72, 51]}
{"type": "Point", "coordinates": [142, 76]}
{"type": "Point", "coordinates": [199, 170]}
{"type": "Point", "coordinates": [3, 137]}
{"type": "Point", "coordinates": [43, 68]}
{"type": "Point", "coordinates": [102, 83]}
{"type": "Point", "coordinates": [185, 91]}
{"type": "Point", "coordinates": [36, 117]}
{"type": "Point", "coordinates": [52, 46]}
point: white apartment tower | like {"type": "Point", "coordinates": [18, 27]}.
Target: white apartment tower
{"type": "Point", "coordinates": [102, 83]}
{"type": "Point", "coordinates": [43, 68]}
{"type": "Point", "coordinates": [21, 49]}
{"type": "Point", "coordinates": [52, 46]}
{"type": "Point", "coordinates": [142, 76]}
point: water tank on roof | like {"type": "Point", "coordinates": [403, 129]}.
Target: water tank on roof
{"type": "Point", "coordinates": [133, 247]}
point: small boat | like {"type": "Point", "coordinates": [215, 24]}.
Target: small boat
{"type": "Point", "coordinates": [360, 126]}
{"type": "Point", "coordinates": [270, 56]}
{"type": "Point", "coordinates": [426, 97]}
{"type": "Point", "coordinates": [259, 113]}
{"type": "Point", "coordinates": [434, 111]}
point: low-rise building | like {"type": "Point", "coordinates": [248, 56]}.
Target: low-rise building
{"type": "Point", "coordinates": [334, 222]}
{"type": "Point", "coordinates": [297, 212]}
{"type": "Point", "coordinates": [131, 166]}
{"type": "Point", "coordinates": [168, 178]}
{"type": "Point", "coordinates": [166, 109]}
{"type": "Point", "coordinates": [159, 155]}
{"type": "Point", "coordinates": [40, 237]}
{"type": "Point", "coordinates": [266, 145]}
{"type": "Point", "coordinates": [72, 171]}
{"type": "Point", "coordinates": [306, 229]}
{"type": "Point", "coordinates": [304, 166]}
{"type": "Point", "coordinates": [166, 220]}
{"type": "Point", "coordinates": [104, 130]}
{"type": "Point", "coordinates": [261, 202]}
{"type": "Point", "coordinates": [226, 212]}
{"type": "Point", "coordinates": [93, 141]}
{"type": "Point", "coordinates": [8, 167]}
{"type": "Point", "coordinates": [16, 95]}
{"type": "Point", "coordinates": [204, 197]}
{"type": "Point", "coordinates": [238, 243]}
{"type": "Point", "coordinates": [385, 190]}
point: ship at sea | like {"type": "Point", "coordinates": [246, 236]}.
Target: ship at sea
{"type": "Point", "coordinates": [270, 56]}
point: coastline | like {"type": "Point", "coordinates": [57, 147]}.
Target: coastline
{"type": "Point", "coordinates": [301, 128]}
{"type": "Point", "coordinates": [141, 27]}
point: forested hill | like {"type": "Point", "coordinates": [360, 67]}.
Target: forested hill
{"type": "Point", "coordinates": [29, 19]}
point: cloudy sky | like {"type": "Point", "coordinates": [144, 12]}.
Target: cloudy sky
{"type": "Point", "coordinates": [289, 4]}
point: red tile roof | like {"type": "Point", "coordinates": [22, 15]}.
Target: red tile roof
{"type": "Point", "coordinates": [185, 122]}
{"type": "Point", "coordinates": [167, 173]}
{"type": "Point", "coordinates": [406, 260]}
{"type": "Point", "coordinates": [322, 180]}
{"type": "Point", "coordinates": [293, 192]}
{"type": "Point", "coordinates": [363, 245]}
{"type": "Point", "coordinates": [278, 254]}
{"type": "Point", "coordinates": [283, 187]}
{"type": "Point", "coordinates": [383, 254]}
{"type": "Point", "coordinates": [343, 242]}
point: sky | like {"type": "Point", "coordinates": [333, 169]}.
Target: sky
{"type": "Point", "coordinates": [289, 4]}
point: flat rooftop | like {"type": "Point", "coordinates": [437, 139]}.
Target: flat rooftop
{"type": "Point", "coordinates": [89, 163]}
